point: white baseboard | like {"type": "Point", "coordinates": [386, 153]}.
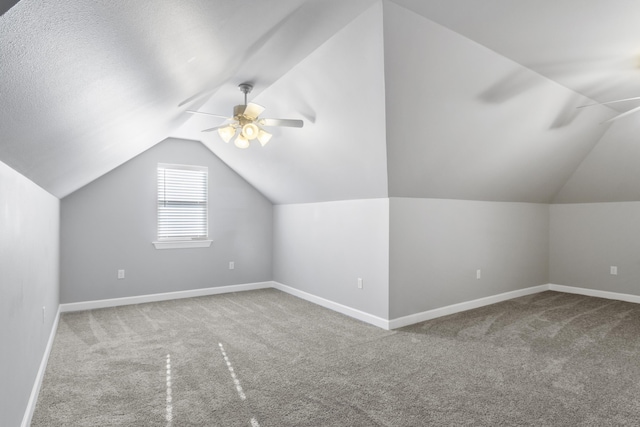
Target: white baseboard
{"type": "Point", "coordinates": [463, 306]}
{"type": "Point", "coordinates": [33, 398]}
{"type": "Point", "coordinates": [141, 299]}
{"type": "Point", "coordinates": [340, 308]}
{"type": "Point", "coordinates": [595, 293]}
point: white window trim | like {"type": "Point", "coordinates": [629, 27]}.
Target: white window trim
{"type": "Point", "coordinates": [177, 243]}
{"type": "Point", "coordinates": [182, 244]}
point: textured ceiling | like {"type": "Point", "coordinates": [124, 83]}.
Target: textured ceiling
{"type": "Point", "coordinates": [437, 98]}
{"type": "Point", "coordinates": [88, 85]}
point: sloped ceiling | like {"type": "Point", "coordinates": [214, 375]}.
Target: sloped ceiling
{"type": "Point", "coordinates": [464, 122]}
{"type": "Point", "coordinates": [338, 90]}
{"type": "Point", "coordinates": [589, 46]}
{"type": "Point", "coordinates": [611, 171]}
{"type": "Point", "coordinates": [438, 98]}
{"type": "Point", "coordinates": [88, 85]}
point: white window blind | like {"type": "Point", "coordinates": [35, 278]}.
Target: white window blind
{"type": "Point", "coordinates": [182, 202]}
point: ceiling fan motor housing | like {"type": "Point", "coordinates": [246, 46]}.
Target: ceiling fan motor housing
{"type": "Point", "coordinates": [238, 114]}
{"type": "Point", "coordinates": [249, 130]}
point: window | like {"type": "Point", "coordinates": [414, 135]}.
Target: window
{"type": "Point", "coordinates": [182, 206]}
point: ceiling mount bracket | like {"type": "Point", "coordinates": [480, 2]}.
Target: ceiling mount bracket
{"type": "Point", "coordinates": [246, 89]}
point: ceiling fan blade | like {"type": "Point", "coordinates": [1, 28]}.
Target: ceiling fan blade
{"type": "Point", "coordinates": [610, 102]}
{"type": "Point", "coordinates": [214, 128]}
{"type": "Point", "coordinates": [252, 110]}
{"type": "Point", "coordinates": [626, 113]}
{"type": "Point", "coordinates": [208, 114]}
{"type": "Point", "coordinates": [196, 96]}
{"type": "Point", "coordinates": [291, 123]}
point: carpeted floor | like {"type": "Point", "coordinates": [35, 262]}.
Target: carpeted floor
{"type": "Point", "coordinates": [265, 358]}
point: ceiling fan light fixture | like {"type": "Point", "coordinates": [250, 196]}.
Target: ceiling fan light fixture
{"type": "Point", "coordinates": [250, 131]}
{"type": "Point", "coordinates": [264, 137]}
{"type": "Point", "coordinates": [226, 133]}
{"type": "Point", "coordinates": [241, 142]}
{"type": "Point", "coordinates": [246, 124]}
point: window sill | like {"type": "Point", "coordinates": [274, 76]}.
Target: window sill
{"type": "Point", "coordinates": [182, 244]}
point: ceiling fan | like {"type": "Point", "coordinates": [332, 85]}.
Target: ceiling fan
{"type": "Point", "coordinates": [619, 116]}
{"type": "Point", "coordinates": [246, 119]}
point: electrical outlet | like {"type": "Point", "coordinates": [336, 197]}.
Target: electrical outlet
{"type": "Point", "coordinates": [613, 270]}
{"type": "Point", "coordinates": [120, 274]}
{"type": "Point", "coordinates": [360, 284]}
{"type": "Point", "coordinates": [232, 265]}
{"type": "Point", "coordinates": [478, 274]}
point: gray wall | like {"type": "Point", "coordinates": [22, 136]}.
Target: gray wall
{"type": "Point", "coordinates": [436, 246]}
{"type": "Point", "coordinates": [587, 239]}
{"type": "Point", "coordinates": [29, 280]}
{"type": "Point", "coordinates": [110, 224]}
{"type": "Point", "coordinates": [323, 248]}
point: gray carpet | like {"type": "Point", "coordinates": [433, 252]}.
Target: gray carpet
{"type": "Point", "coordinates": [265, 358]}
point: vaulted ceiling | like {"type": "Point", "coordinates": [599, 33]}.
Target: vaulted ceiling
{"type": "Point", "coordinates": [459, 99]}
